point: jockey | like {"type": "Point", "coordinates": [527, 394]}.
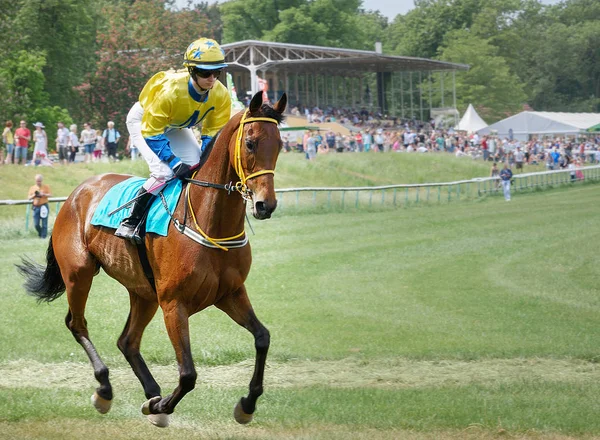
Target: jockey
{"type": "Point", "coordinates": [160, 124]}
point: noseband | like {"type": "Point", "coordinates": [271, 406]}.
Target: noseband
{"type": "Point", "coordinates": [240, 239]}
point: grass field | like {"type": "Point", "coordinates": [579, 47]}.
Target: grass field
{"type": "Point", "coordinates": [469, 321]}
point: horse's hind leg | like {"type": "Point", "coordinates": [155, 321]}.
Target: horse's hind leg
{"type": "Point", "coordinates": [141, 314]}
{"type": "Point", "coordinates": [78, 280]}
{"type": "Point", "coordinates": [129, 342]}
{"type": "Point", "coordinates": [238, 307]}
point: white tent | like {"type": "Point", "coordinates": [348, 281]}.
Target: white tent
{"type": "Point", "coordinates": [527, 124]}
{"type": "Point", "coordinates": [471, 121]}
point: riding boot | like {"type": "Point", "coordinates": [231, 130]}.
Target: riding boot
{"type": "Point", "coordinates": [129, 228]}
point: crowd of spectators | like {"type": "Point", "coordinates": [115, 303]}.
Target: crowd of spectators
{"type": "Point", "coordinates": [34, 147]}
{"type": "Point", "coordinates": [374, 132]}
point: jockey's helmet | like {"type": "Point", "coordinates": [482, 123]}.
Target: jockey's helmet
{"type": "Point", "coordinates": [205, 54]}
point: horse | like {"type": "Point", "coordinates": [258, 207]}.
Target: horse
{"type": "Point", "coordinates": [173, 273]}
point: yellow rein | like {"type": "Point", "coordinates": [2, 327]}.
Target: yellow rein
{"type": "Point", "coordinates": [240, 186]}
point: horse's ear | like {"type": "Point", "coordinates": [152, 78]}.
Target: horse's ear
{"type": "Point", "coordinates": [280, 105]}
{"type": "Point", "coordinates": [256, 102]}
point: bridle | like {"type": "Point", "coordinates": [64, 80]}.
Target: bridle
{"type": "Point", "coordinates": [240, 187]}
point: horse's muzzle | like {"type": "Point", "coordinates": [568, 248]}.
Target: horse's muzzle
{"type": "Point", "coordinates": [263, 209]}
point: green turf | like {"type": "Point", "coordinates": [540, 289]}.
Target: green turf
{"type": "Point", "coordinates": [476, 281]}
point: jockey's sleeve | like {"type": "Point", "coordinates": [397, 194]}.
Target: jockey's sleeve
{"type": "Point", "coordinates": [156, 119]}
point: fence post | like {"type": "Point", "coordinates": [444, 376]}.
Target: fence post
{"type": "Point", "coordinates": [343, 197]}
{"type": "Point", "coordinates": [395, 196]}
{"type": "Point", "coordinates": [27, 212]}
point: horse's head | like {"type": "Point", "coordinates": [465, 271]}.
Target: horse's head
{"type": "Point", "coordinates": [255, 152]}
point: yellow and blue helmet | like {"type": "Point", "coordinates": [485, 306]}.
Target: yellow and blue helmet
{"type": "Point", "coordinates": [205, 54]}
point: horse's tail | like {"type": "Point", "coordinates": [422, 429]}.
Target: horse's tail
{"type": "Point", "coordinates": [44, 283]}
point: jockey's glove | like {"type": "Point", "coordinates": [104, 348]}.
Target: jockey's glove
{"type": "Point", "coordinates": [182, 171]}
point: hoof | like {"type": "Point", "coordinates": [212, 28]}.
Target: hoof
{"type": "Point", "coordinates": [160, 420]}
{"type": "Point", "coordinates": [147, 403]}
{"type": "Point", "coordinates": [102, 405]}
{"type": "Point", "coordinates": [240, 416]}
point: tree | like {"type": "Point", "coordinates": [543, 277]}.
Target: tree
{"type": "Point", "coordinates": [488, 84]}
{"type": "Point", "coordinates": [136, 42]}
{"type": "Point", "coordinates": [250, 19]}
{"type": "Point", "coordinates": [65, 31]}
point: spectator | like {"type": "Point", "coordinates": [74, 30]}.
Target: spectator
{"type": "Point", "coordinates": [132, 150]}
{"type": "Point", "coordinates": [73, 143]}
{"type": "Point", "coordinates": [111, 139]}
{"type": "Point", "coordinates": [40, 151]}
{"type": "Point", "coordinates": [358, 139]}
{"type": "Point", "coordinates": [39, 193]}
{"type": "Point", "coordinates": [311, 146]}
{"type": "Point", "coordinates": [98, 146]}
{"type": "Point", "coordinates": [88, 139]}
{"type": "Point", "coordinates": [519, 158]}
{"type": "Point", "coordinates": [506, 176]}
{"type": "Point", "coordinates": [379, 141]}
{"type": "Point", "coordinates": [62, 139]}
{"type": "Point", "coordinates": [9, 142]}
{"type": "Point", "coordinates": [484, 148]}
{"type": "Point", "coordinates": [22, 137]}
{"type": "Point", "coordinates": [330, 139]}
{"type": "Point", "coordinates": [367, 140]}
{"type": "Point", "coordinates": [495, 173]}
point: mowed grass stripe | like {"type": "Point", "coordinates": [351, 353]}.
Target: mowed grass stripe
{"type": "Point", "coordinates": [393, 373]}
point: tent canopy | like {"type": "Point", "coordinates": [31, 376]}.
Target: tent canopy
{"type": "Point", "coordinates": [527, 124]}
{"type": "Point", "coordinates": [471, 121]}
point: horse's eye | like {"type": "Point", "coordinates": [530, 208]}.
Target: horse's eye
{"type": "Point", "coordinates": [250, 144]}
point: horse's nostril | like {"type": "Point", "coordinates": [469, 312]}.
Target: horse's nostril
{"type": "Point", "coordinates": [261, 207]}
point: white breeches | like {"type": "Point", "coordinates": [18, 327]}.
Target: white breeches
{"type": "Point", "coordinates": [182, 141]}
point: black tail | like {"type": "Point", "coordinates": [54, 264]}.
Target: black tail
{"type": "Point", "coordinates": [46, 284]}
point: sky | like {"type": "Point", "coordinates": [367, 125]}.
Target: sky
{"type": "Point", "coordinates": [389, 8]}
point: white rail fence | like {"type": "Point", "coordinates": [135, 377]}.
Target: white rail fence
{"type": "Point", "coordinates": [403, 195]}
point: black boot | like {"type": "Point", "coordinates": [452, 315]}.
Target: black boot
{"type": "Point", "coordinates": [129, 228]}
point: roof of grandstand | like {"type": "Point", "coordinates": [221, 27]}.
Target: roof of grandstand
{"type": "Point", "coordinates": [299, 58]}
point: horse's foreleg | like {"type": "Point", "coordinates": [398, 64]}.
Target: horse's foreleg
{"type": "Point", "coordinates": [140, 316]}
{"type": "Point", "coordinates": [78, 284]}
{"type": "Point", "coordinates": [177, 323]}
{"type": "Point", "coordinates": [238, 307]}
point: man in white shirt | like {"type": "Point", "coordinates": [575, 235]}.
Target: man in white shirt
{"type": "Point", "coordinates": [62, 136]}
{"type": "Point", "coordinates": [519, 157]}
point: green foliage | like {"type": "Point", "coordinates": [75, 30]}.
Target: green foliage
{"type": "Point", "coordinates": [489, 84]}
{"type": "Point", "coordinates": [22, 84]}
{"type": "Point", "coordinates": [65, 30]}
{"type": "Point", "coordinates": [250, 19]}
{"type": "Point", "coordinates": [136, 42]}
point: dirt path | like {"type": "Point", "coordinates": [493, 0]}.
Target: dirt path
{"type": "Point", "coordinates": [346, 373]}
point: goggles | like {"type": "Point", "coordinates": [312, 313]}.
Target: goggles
{"type": "Point", "coordinates": [202, 73]}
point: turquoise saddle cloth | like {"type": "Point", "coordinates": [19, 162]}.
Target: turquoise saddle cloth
{"type": "Point", "coordinates": [157, 219]}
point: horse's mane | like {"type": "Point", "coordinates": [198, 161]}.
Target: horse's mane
{"type": "Point", "coordinates": [269, 112]}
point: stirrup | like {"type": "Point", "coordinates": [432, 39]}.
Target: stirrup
{"type": "Point", "coordinates": [129, 232]}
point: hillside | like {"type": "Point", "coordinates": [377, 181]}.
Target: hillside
{"type": "Point", "coordinates": [293, 170]}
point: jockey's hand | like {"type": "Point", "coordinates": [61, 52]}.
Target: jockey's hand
{"type": "Point", "coordinates": [183, 171]}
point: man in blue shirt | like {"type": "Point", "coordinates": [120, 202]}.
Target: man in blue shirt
{"type": "Point", "coordinates": [111, 138]}
{"type": "Point", "coordinates": [505, 175]}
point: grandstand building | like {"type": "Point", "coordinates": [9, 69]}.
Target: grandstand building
{"type": "Point", "coordinates": [327, 76]}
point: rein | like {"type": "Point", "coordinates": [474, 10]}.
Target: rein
{"type": "Point", "coordinates": [235, 241]}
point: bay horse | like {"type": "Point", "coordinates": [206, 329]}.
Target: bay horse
{"type": "Point", "coordinates": [186, 277]}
